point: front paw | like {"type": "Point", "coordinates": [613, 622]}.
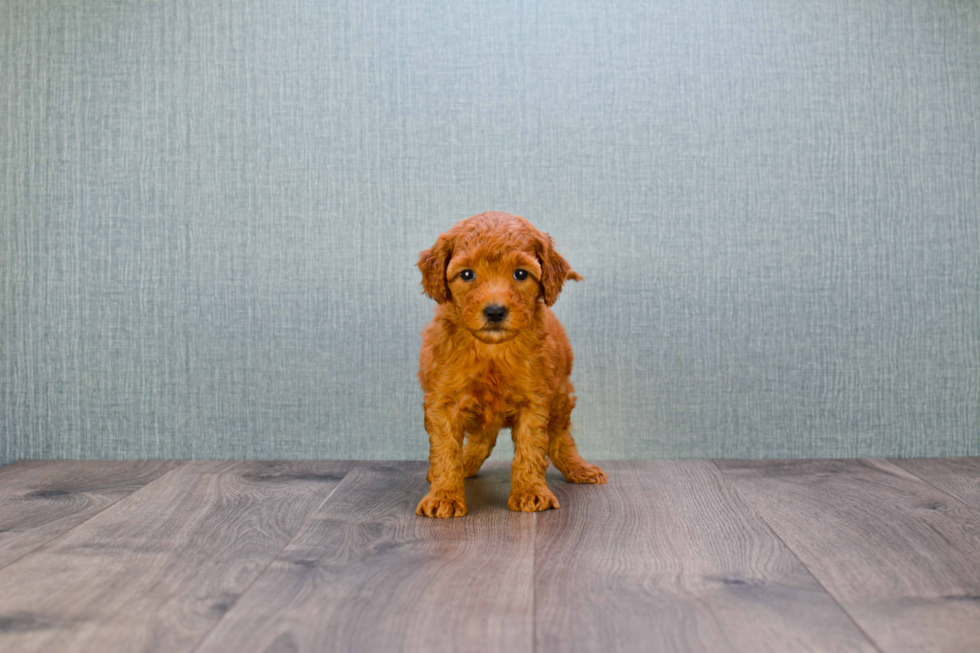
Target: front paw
{"type": "Point", "coordinates": [532, 499]}
{"type": "Point", "coordinates": [586, 473]}
{"type": "Point", "coordinates": [442, 505]}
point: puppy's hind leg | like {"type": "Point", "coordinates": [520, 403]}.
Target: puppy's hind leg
{"type": "Point", "coordinates": [562, 450]}
{"type": "Point", "coordinates": [477, 448]}
{"type": "Point", "coordinates": [565, 456]}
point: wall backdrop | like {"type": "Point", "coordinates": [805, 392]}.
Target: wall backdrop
{"type": "Point", "coordinates": [210, 211]}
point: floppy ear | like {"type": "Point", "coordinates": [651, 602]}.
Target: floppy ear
{"type": "Point", "coordinates": [555, 270]}
{"type": "Point", "coordinates": [432, 263]}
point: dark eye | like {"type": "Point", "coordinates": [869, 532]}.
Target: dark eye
{"type": "Point", "coordinates": [520, 275]}
{"type": "Point", "coordinates": [467, 275]}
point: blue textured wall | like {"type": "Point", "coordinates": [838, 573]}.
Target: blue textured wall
{"type": "Point", "coordinates": [209, 213]}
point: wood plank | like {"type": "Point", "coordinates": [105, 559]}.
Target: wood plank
{"type": "Point", "coordinates": [158, 569]}
{"type": "Point", "coordinates": [368, 574]}
{"type": "Point", "coordinates": [668, 557]}
{"type": "Point", "coordinates": [42, 499]}
{"type": "Point", "coordinates": [18, 466]}
{"type": "Point", "coordinates": [957, 477]}
{"type": "Point", "coordinates": [900, 556]}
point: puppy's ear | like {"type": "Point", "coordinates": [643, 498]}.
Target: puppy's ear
{"type": "Point", "coordinates": [432, 263]}
{"type": "Point", "coordinates": [555, 270]}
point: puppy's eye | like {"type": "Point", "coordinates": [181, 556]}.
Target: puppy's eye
{"type": "Point", "coordinates": [520, 275]}
{"type": "Point", "coordinates": [467, 275]}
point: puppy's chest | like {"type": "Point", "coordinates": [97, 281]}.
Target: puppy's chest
{"type": "Point", "coordinates": [493, 392]}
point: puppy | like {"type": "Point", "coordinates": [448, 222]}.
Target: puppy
{"type": "Point", "coordinates": [494, 355]}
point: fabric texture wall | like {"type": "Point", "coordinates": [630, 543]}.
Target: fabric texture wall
{"type": "Point", "coordinates": [210, 211]}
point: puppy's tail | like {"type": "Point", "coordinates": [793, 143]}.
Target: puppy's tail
{"type": "Point", "coordinates": [574, 276]}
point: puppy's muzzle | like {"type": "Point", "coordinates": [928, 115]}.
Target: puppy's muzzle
{"type": "Point", "coordinates": [495, 313]}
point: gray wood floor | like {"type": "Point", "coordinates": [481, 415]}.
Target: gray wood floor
{"type": "Point", "coordinates": [804, 555]}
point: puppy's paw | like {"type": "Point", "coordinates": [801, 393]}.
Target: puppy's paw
{"type": "Point", "coordinates": [586, 473]}
{"type": "Point", "coordinates": [532, 499]}
{"type": "Point", "coordinates": [442, 505]}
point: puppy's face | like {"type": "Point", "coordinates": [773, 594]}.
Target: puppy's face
{"type": "Point", "coordinates": [494, 292]}
{"type": "Point", "coordinates": [494, 268]}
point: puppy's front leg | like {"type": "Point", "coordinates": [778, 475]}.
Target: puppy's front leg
{"type": "Point", "coordinates": [529, 492]}
{"type": "Point", "coordinates": [446, 497]}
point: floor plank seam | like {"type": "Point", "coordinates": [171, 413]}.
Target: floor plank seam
{"type": "Point", "coordinates": [534, 584]}
{"type": "Point", "coordinates": [955, 498]}
{"type": "Point", "coordinates": [299, 530]}
{"type": "Point", "coordinates": [89, 518]}
{"type": "Point", "coordinates": [817, 580]}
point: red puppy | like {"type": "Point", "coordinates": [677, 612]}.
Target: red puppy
{"type": "Point", "coordinates": [494, 355]}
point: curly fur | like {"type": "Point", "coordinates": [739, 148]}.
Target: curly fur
{"type": "Point", "coordinates": [479, 377]}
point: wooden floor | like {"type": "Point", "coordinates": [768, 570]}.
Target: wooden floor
{"type": "Point", "coordinates": [819, 555]}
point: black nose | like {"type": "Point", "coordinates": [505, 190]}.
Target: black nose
{"type": "Point", "coordinates": [495, 313]}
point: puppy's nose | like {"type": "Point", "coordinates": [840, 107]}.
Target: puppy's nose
{"type": "Point", "coordinates": [495, 313]}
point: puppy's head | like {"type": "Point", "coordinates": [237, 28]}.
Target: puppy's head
{"type": "Point", "coordinates": [494, 267]}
